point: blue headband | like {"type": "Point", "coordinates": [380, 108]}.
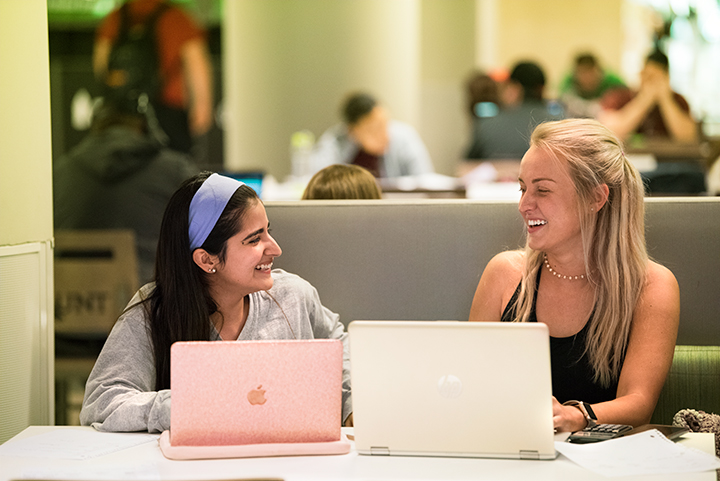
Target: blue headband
{"type": "Point", "coordinates": [206, 206]}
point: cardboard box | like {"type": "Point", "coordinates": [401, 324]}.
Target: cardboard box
{"type": "Point", "coordinates": [96, 274]}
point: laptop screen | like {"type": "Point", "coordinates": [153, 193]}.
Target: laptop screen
{"type": "Point", "coordinates": [452, 389]}
{"type": "Point", "coordinates": [255, 392]}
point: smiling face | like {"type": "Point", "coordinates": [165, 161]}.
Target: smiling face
{"type": "Point", "coordinates": [249, 256]}
{"type": "Point", "coordinates": [548, 203]}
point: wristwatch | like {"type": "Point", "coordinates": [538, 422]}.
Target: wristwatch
{"type": "Point", "coordinates": [586, 410]}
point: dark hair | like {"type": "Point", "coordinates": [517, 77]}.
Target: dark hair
{"type": "Point", "coordinates": [113, 112]}
{"type": "Point", "coordinates": [481, 88]}
{"type": "Point", "coordinates": [531, 77]}
{"type": "Point", "coordinates": [181, 305]}
{"type": "Point", "coordinates": [659, 58]}
{"type": "Point", "coordinates": [356, 107]}
{"type": "Point", "coordinates": [586, 59]}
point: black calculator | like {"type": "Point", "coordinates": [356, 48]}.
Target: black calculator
{"type": "Point", "coordinates": [599, 432]}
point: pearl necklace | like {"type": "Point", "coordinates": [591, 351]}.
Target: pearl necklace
{"type": "Point", "coordinates": [557, 274]}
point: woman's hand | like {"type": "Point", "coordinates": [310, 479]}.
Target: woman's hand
{"type": "Point", "coordinates": [567, 419]}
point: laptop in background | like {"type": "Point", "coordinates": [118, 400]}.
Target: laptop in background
{"type": "Point", "coordinates": [255, 392]}
{"type": "Point", "coordinates": [445, 388]}
{"type": "Point", "coordinates": [252, 178]}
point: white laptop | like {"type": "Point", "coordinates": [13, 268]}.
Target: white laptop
{"type": "Point", "coordinates": [446, 388]}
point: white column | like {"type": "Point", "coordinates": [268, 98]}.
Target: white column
{"type": "Point", "coordinates": [289, 63]}
{"type": "Point", "coordinates": [486, 21]}
{"type": "Point", "coordinates": [26, 227]}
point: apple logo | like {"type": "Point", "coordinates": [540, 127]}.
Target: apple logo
{"type": "Point", "coordinates": [449, 386]}
{"type": "Point", "coordinates": [257, 396]}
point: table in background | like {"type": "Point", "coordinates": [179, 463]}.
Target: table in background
{"type": "Point", "coordinates": [666, 150]}
{"type": "Point", "coordinates": [669, 167]}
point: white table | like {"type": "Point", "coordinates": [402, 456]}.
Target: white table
{"type": "Point", "coordinates": [146, 462]}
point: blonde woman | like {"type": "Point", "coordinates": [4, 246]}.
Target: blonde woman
{"type": "Point", "coordinates": [612, 313]}
{"type": "Point", "coordinates": [342, 181]}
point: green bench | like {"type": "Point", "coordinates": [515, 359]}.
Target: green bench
{"type": "Point", "coordinates": [693, 382]}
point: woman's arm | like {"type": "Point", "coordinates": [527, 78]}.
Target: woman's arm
{"type": "Point", "coordinates": [648, 359]}
{"type": "Point", "coordinates": [326, 324]}
{"type": "Point", "coordinates": [626, 120]}
{"type": "Point", "coordinates": [337, 331]}
{"type": "Point", "coordinates": [101, 54]}
{"type": "Point", "coordinates": [497, 284]}
{"type": "Point", "coordinates": [198, 75]}
{"type": "Point", "coordinates": [681, 125]}
{"type": "Point", "coordinates": [120, 393]}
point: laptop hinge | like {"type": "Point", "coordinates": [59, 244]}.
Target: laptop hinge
{"type": "Point", "coordinates": [529, 454]}
{"type": "Point", "coordinates": [379, 451]}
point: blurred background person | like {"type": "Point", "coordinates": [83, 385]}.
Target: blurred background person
{"type": "Point", "coordinates": [582, 89]}
{"type": "Point", "coordinates": [506, 135]}
{"type": "Point", "coordinates": [342, 181]}
{"type": "Point", "coordinates": [369, 138]}
{"type": "Point", "coordinates": [483, 95]}
{"type": "Point", "coordinates": [655, 111]}
{"type": "Point", "coordinates": [183, 105]}
{"type": "Point", "coordinates": [119, 177]}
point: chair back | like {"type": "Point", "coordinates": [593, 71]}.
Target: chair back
{"type": "Point", "coordinates": [96, 274]}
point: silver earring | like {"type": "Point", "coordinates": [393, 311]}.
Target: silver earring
{"type": "Point", "coordinates": [212, 271]}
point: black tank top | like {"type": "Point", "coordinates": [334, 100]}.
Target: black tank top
{"type": "Point", "coordinates": [572, 373]}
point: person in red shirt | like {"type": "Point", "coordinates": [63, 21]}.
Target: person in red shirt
{"type": "Point", "coordinates": [654, 111]}
{"type": "Point", "coordinates": [184, 109]}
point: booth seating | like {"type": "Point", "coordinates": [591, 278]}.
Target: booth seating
{"type": "Point", "coordinates": [422, 260]}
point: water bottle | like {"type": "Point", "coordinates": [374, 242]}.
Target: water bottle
{"type": "Point", "coordinates": [301, 144]}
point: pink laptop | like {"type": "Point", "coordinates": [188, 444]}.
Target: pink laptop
{"type": "Point", "coordinates": [255, 398]}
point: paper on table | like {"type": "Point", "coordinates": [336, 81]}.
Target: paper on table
{"type": "Point", "coordinates": [648, 452]}
{"type": "Point", "coordinates": [73, 444]}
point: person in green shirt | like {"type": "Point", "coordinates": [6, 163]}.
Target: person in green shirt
{"type": "Point", "coordinates": [582, 89]}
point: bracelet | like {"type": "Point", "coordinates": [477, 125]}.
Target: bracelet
{"type": "Point", "coordinates": [586, 411]}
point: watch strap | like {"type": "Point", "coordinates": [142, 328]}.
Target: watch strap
{"type": "Point", "coordinates": [590, 412]}
{"type": "Point", "coordinates": [586, 411]}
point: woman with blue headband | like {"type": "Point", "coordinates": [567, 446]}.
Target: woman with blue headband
{"type": "Point", "coordinates": [213, 281]}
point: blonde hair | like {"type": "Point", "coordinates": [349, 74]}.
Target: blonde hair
{"type": "Point", "coordinates": [342, 181]}
{"type": "Point", "coordinates": [613, 239]}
